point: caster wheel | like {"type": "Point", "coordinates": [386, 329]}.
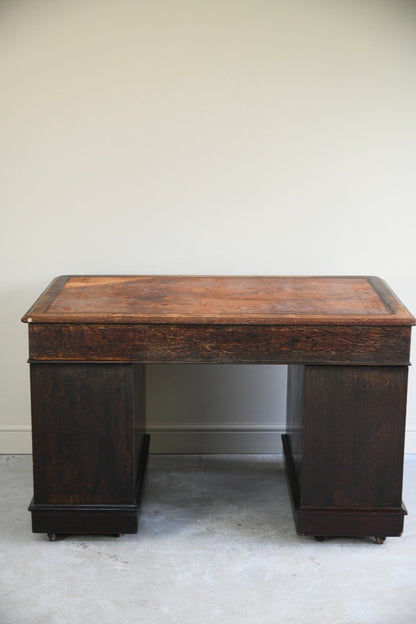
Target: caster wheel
{"type": "Point", "coordinates": [319, 538]}
{"type": "Point", "coordinates": [118, 534]}
{"type": "Point", "coordinates": [52, 537]}
{"type": "Point", "coordinates": [380, 540]}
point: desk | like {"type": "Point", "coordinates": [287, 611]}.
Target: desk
{"type": "Point", "coordinates": [346, 341]}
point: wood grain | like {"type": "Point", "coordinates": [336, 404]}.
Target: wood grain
{"type": "Point", "coordinates": [219, 300]}
{"type": "Point", "coordinates": [344, 449]}
{"type": "Point", "coordinates": [227, 344]}
{"type": "Point", "coordinates": [346, 339]}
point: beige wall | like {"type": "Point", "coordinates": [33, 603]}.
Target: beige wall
{"type": "Point", "coordinates": [212, 137]}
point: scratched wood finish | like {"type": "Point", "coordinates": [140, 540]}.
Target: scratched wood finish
{"type": "Point", "coordinates": [346, 339]}
{"type": "Point", "coordinates": [219, 300]}
{"type": "Point", "coordinates": [244, 344]}
{"type": "Point", "coordinates": [345, 430]}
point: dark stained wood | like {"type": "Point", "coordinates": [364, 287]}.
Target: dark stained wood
{"type": "Point", "coordinates": [346, 339]}
{"type": "Point", "coordinates": [219, 300]}
{"type": "Point", "coordinates": [327, 521]}
{"type": "Point", "coordinates": [85, 418]}
{"type": "Point", "coordinates": [244, 344]}
{"type": "Point", "coordinates": [294, 421]}
{"type": "Point", "coordinates": [350, 459]}
{"type": "Point", "coordinates": [84, 519]}
{"type": "Point", "coordinates": [372, 401]}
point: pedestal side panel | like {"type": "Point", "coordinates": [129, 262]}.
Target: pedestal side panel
{"type": "Point", "coordinates": [294, 416]}
{"type": "Point", "coordinates": [83, 428]}
{"type": "Point", "coordinates": [353, 437]}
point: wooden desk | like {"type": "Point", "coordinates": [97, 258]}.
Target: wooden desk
{"type": "Point", "coordinates": [346, 341]}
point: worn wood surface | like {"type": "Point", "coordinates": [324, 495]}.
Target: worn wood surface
{"type": "Point", "coordinates": [228, 344]}
{"type": "Point", "coordinates": [219, 300]}
{"type": "Point", "coordinates": [349, 338]}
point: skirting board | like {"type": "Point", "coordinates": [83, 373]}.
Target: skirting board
{"type": "Point", "coordinates": [218, 439]}
{"type": "Point", "coordinates": [16, 439]}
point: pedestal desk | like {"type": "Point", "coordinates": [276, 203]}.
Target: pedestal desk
{"type": "Point", "coordinates": [346, 341]}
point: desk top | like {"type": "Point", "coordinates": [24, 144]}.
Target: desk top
{"type": "Point", "coordinates": [213, 300]}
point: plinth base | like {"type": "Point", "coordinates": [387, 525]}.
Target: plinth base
{"type": "Point", "coordinates": [339, 522]}
{"type": "Point", "coordinates": [57, 519]}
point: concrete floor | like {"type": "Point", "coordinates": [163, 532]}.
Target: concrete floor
{"type": "Point", "coordinates": [216, 544]}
